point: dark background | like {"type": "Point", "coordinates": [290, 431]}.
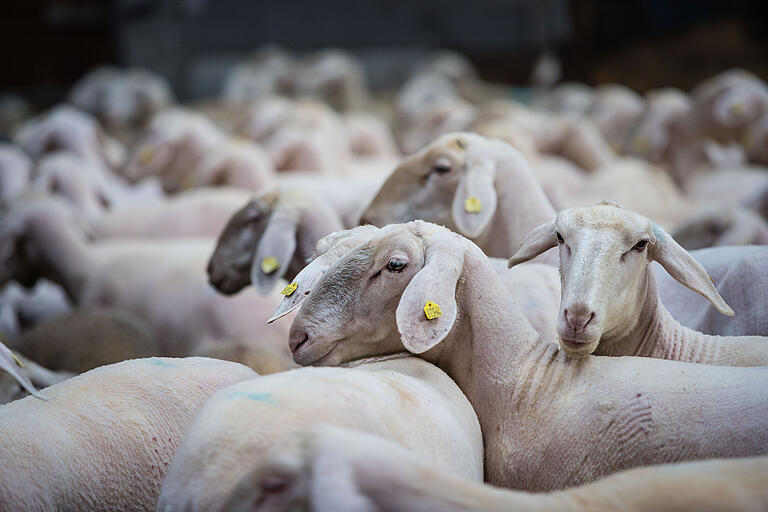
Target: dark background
{"type": "Point", "coordinates": [48, 44]}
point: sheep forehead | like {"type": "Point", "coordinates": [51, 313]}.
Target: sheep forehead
{"type": "Point", "coordinates": [624, 223]}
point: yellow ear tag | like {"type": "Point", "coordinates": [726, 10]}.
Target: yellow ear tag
{"type": "Point", "coordinates": [288, 290]}
{"type": "Point", "coordinates": [188, 182]}
{"type": "Point", "coordinates": [146, 155]}
{"type": "Point", "coordinates": [18, 361]}
{"type": "Point", "coordinates": [473, 205]}
{"type": "Point", "coordinates": [641, 144]}
{"type": "Point", "coordinates": [269, 265]}
{"type": "Point", "coordinates": [737, 108]}
{"type": "Point", "coordinates": [432, 310]}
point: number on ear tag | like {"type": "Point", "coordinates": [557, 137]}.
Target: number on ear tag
{"type": "Point", "coordinates": [288, 290]}
{"type": "Point", "coordinates": [269, 264]}
{"type": "Point", "coordinates": [432, 310]}
{"type": "Point", "coordinates": [473, 205]}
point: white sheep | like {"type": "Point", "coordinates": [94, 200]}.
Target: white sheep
{"type": "Point", "coordinates": [270, 237]}
{"type": "Point", "coordinates": [610, 303]}
{"type": "Point", "coordinates": [15, 171]}
{"type": "Point", "coordinates": [615, 109]}
{"type": "Point", "coordinates": [21, 308]}
{"type": "Point", "coordinates": [235, 163]}
{"type": "Point", "coordinates": [104, 440]}
{"type": "Point", "coordinates": [549, 420]}
{"type": "Point", "coordinates": [171, 148]}
{"type": "Point", "coordinates": [398, 397]}
{"type": "Point", "coordinates": [268, 71]}
{"type": "Point", "coordinates": [162, 281]}
{"type": "Point", "coordinates": [740, 277]}
{"type": "Point", "coordinates": [722, 225]}
{"type": "Point", "coordinates": [70, 129]}
{"type": "Point", "coordinates": [122, 99]}
{"type": "Point", "coordinates": [481, 188]}
{"type": "Point", "coordinates": [372, 473]}
{"type": "Point", "coordinates": [334, 76]}
{"type": "Point", "coordinates": [369, 135]}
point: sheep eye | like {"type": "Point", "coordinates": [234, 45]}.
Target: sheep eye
{"type": "Point", "coordinates": [640, 246]}
{"type": "Point", "coordinates": [395, 265]}
{"type": "Point", "coordinates": [559, 237]}
{"type": "Point", "coordinates": [441, 168]}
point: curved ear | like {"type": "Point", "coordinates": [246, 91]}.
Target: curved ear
{"type": "Point", "coordinates": [274, 252]}
{"type": "Point", "coordinates": [304, 281]}
{"type": "Point", "coordinates": [686, 270]}
{"type": "Point", "coordinates": [434, 283]}
{"type": "Point", "coordinates": [11, 364]}
{"type": "Point", "coordinates": [474, 202]}
{"type": "Point", "coordinates": [539, 240]}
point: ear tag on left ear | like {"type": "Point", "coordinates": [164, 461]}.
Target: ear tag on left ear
{"type": "Point", "coordinates": [473, 205]}
{"type": "Point", "coordinates": [432, 310]}
{"type": "Point", "coordinates": [269, 264]}
{"type": "Point", "coordinates": [288, 290]}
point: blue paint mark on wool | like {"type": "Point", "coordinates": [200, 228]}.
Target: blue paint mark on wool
{"type": "Point", "coordinates": [256, 397]}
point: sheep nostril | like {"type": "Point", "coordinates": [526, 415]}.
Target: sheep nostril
{"type": "Point", "coordinates": [578, 322]}
{"type": "Point", "coordinates": [298, 342]}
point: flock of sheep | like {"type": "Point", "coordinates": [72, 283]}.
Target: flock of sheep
{"type": "Point", "coordinates": [459, 273]}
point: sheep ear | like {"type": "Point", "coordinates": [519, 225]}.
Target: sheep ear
{"type": "Point", "coordinates": [304, 281]}
{"type": "Point", "coordinates": [274, 253]}
{"type": "Point", "coordinates": [686, 270]}
{"type": "Point", "coordinates": [432, 291]}
{"type": "Point", "coordinates": [539, 240]}
{"type": "Point", "coordinates": [474, 202]}
{"type": "Point", "coordinates": [11, 364]}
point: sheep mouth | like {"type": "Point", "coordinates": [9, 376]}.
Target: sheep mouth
{"type": "Point", "coordinates": [301, 357]}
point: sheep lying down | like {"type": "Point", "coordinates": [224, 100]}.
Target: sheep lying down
{"type": "Point", "coordinates": [103, 440]}
{"type": "Point", "coordinates": [549, 420]}
{"type": "Point", "coordinates": [328, 469]}
{"type": "Point", "coordinates": [399, 397]}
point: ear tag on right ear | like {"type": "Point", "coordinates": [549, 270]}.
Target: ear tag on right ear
{"type": "Point", "coordinates": [146, 155]}
{"type": "Point", "coordinates": [269, 264]}
{"type": "Point", "coordinates": [473, 205]}
{"type": "Point", "coordinates": [288, 290]}
{"type": "Point", "coordinates": [432, 310]}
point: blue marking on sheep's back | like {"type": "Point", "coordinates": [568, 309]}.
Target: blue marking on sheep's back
{"type": "Point", "coordinates": [256, 397]}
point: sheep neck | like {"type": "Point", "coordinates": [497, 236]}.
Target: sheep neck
{"type": "Point", "coordinates": [61, 254]}
{"type": "Point", "coordinates": [517, 213]}
{"type": "Point", "coordinates": [658, 335]}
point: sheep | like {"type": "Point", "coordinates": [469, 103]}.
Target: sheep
{"type": "Point", "coordinates": [741, 280]}
{"type": "Point", "coordinates": [659, 130]}
{"type": "Point", "coordinates": [269, 238]}
{"type": "Point", "coordinates": [171, 147]}
{"type": "Point", "coordinates": [441, 115]}
{"type": "Point", "coordinates": [373, 473]}
{"type": "Point", "coordinates": [196, 212]}
{"type": "Point", "coordinates": [122, 99]}
{"type": "Point", "coordinates": [369, 135]}
{"type": "Point", "coordinates": [549, 420]}
{"type": "Point", "coordinates": [333, 76]}
{"type": "Point", "coordinates": [572, 98]}
{"type": "Point", "coordinates": [15, 172]}
{"type": "Point", "coordinates": [755, 141]}
{"type": "Point", "coordinates": [20, 308]}
{"type": "Point", "coordinates": [235, 163]}
{"type": "Point", "coordinates": [87, 338]}
{"type": "Point", "coordinates": [618, 311]}
{"type": "Point", "coordinates": [399, 397]}
{"type": "Point", "coordinates": [14, 110]}
{"type": "Point", "coordinates": [726, 104]}
{"type": "Point", "coordinates": [67, 128]}
{"type": "Point", "coordinates": [534, 287]}
{"type": "Point", "coordinates": [268, 71]}
{"type": "Point", "coordinates": [615, 109]}
{"type": "Point", "coordinates": [103, 440]}
{"type": "Point", "coordinates": [161, 281]}
{"type": "Point", "coordinates": [302, 135]}
{"type": "Point", "coordinates": [75, 178]}
{"type": "Point", "coordinates": [481, 188]}
{"type": "Point", "coordinates": [722, 225]}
